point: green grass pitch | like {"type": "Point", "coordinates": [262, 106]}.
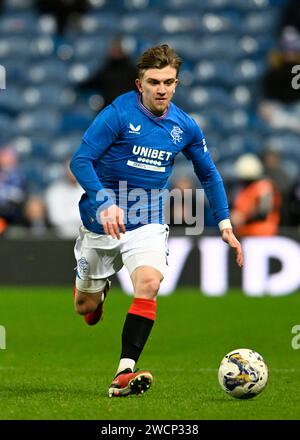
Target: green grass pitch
{"type": "Point", "coordinates": [56, 367]}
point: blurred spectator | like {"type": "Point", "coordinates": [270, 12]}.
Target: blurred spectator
{"type": "Point", "coordinates": [294, 205]}
{"type": "Point", "coordinates": [277, 81]}
{"type": "Point", "coordinates": [61, 200]}
{"type": "Point", "coordinates": [256, 209]}
{"type": "Point", "coordinates": [274, 170]}
{"type": "Point", "coordinates": [281, 106]}
{"type": "Point", "coordinates": [35, 217]}
{"type": "Point", "coordinates": [3, 225]}
{"type": "Point", "coordinates": [12, 191]}
{"type": "Point", "coordinates": [117, 76]}
{"type": "Point", "coordinates": [291, 15]}
{"type": "Point", "coordinates": [281, 117]}
{"type": "Point", "coordinates": [66, 12]}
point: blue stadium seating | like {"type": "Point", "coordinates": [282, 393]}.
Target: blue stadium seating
{"type": "Point", "coordinates": [11, 100]}
{"type": "Point", "coordinates": [48, 72]}
{"type": "Point", "coordinates": [223, 44]}
{"type": "Point", "coordinates": [101, 23]}
{"type": "Point", "coordinates": [62, 147]}
{"type": "Point", "coordinates": [6, 127]}
{"type": "Point", "coordinates": [14, 47]}
{"type": "Point", "coordinates": [19, 24]}
{"type": "Point", "coordinates": [41, 47]}
{"type": "Point", "coordinates": [87, 48]}
{"type": "Point", "coordinates": [39, 120]}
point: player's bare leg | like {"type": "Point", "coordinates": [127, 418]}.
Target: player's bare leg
{"type": "Point", "coordinates": [91, 304]}
{"type": "Point", "coordinates": [137, 327]}
{"type": "Point", "coordinates": [86, 302]}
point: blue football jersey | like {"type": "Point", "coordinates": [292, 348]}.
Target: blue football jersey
{"type": "Point", "coordinates": [127, 155]}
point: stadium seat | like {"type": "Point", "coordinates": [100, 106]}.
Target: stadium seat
{"type": "Point", "coordinates": [90, 48]}
{"type": "Point", "coordinates": [34, 174]}
{"type": "Point", "coordinates": [208, 96]}
{"type": "Point", "coordinates": [11, 100]}
{"type": "Point", "coordinates": [237, 120]}
{"type": "Point", "coordinates": [185, 22]}
{"type": "Point", "coordinates": [6, 126]}
{"type": "Point", "coordinates": [98, 5]}
{"type": "Point", "coordinates": [40, 47]}
{"type": "Point", "coordinates": [222, 47]}
{"type": "Point", "coordinates": [46, 25]}
{"type": "Point", "coordinates": [213, 72]}
{"type": "Point", "coordinates": [248, 70]}
{"type": "Point", "coordinates": [48, 96]}
{"type": "Point", "coordinates": [219, 5]}
{"type": "Point", "coordinates": [285, 142]}
{"type": "Point", "coordinates": [253, 46]}
{"type": "Point", "coordinates": [80, 71]}
{"type": "Point", "coordinates": [15, 72]}
{"type": "Point", "coordinates": [242, 96]}
{"type": "Point", "coordinates": [146, 23]}
{"type": "Point", "coordinates": [253, 5]}
{"type": "Point", "coordinates": [139, 5]}
{"type": "Point", "coordinates": [54, 172]}
{"type": "Point", "coordinates": [48, 71]}
{"type": "Point", "coordinates": [63, 147]}
{"type": "Point", "coordinates": [39, 174]}
{"type": "Point", "coordinates": [107, 22]}
{"type": "Point", "coordinates": [40, 148]}
{"type": "Point", "coordinates": [179, 5]}
{"type": "Point", "coordinates": [224, 22]}
{"type": "Point", "coordinates": [14, 47]}
{"type": "Point", "coordinates": [38, 121]}
{"type": "Point", "coordinates": [19, 24]}
{"type": "Point", "coordinates": [258, 22]}
{"type": "Point", "coordinates": [232, 146]}
{"type": "Point", "coordinates": [75, 120]}
{"type": "Point", "coordinates": [14, 6]}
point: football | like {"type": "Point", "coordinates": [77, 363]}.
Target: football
{"type": "Point", "coordinates": [243, 373]}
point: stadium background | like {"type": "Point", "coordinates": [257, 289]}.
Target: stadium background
{"type": "Point", "coordinates": [43, 114]}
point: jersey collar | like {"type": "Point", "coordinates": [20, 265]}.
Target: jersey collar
{"type": "Point", "coordinates": [152, 115]}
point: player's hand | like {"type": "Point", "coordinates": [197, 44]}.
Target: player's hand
{"type": "Point", "coordinates": [112, 220]}
{"type": "Point", "coordinates": [229, 238]}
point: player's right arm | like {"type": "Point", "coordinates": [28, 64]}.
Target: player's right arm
{"type": "Point", "coordinates": [103, 131]}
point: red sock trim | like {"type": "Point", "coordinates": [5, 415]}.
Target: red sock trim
{"type": "Point", "coordinates": [143, 307]}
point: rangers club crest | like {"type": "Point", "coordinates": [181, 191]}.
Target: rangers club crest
{"type": "Point", "coordinates": [176, 134]}
{"type": "Point", "coordinates": [83, 266]}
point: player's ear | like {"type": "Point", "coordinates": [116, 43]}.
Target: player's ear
{"type": "Point", "coordinates": [176, 84]}
{"type": "Point", "coordinates": [139, 85]}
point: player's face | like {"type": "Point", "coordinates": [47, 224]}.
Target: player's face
{"type": "Point", "coordinates": [157, 87]}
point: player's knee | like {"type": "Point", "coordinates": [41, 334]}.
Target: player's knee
{"type": "Point", "coordinates": [147, 288]}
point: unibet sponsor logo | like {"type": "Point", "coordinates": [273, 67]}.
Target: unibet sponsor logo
{"type": "Point", "coordinates": [151, 153]}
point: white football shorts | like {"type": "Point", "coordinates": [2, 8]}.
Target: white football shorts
{"type": "Point", "coordinates": [101, 256]}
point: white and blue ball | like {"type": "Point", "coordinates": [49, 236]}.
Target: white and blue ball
{"type": "Point", "coordinates": [243, 373]}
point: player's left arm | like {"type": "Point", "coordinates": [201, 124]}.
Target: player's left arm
{"type": "Point", "coordinates": [213, 185]}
